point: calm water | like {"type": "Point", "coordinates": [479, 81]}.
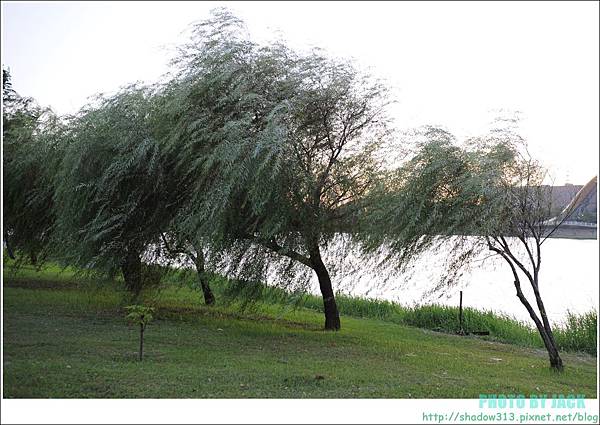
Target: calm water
{"type": "Point", "coordinates": [568, 282]}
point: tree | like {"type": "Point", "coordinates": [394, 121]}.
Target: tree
{"type": "Point", "coordinates": [282, 146]}
{"type": "Point", "coordinates": [140, 315]}
{"type": "Point", "coordinates": [113, 198]}
{"type": "Point", "coordinates": [176, 245]}
{"type": "Point", "coordinates": [32, 147]}
{"type": "Point", "coordinates": [486, 195]}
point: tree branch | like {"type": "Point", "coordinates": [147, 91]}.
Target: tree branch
{"type": "Point", "coordinates": [275, 247]}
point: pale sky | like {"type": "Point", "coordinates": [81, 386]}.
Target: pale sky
{"type": "Point", "coordinates": [450, 64]}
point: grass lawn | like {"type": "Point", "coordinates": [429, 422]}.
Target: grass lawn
{"type": "Point", "coordinates": [65, 339]}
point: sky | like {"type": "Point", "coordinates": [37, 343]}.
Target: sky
{"type": "Point", "coordinates": [449, 64]}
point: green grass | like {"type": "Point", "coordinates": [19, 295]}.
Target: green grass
{"type": "Point", "coordinates": [577, 334]}
{"type": "Point", "coordinates": [67, 338]}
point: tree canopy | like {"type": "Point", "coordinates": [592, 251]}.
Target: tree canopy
{"type": "Point", "coordinates": [31, 145]}
{"type": "Point", "coordinates": [280, 147]}
{"type": "Point", "coordinates": [113, 191]}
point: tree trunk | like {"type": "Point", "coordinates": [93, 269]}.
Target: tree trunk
{"type": "Point", "coordinates": [332, 316]}
{"type": "Point", "coordinates": [141, 341]}
{"type": "Point", "coordinates": [555, 360]}
{"type": "Point", "coordinates": [132, 273]}
{"type": "Point", "coordinates": [543, 328]}
{"type": "Point", "coordinates": [9, 249]}
{"type": "Point", "coordinates": [546, 334]}
{"type": "Point", "coordinates": [551, 346]}
{"type": "Point", "coordinates": [209, 298]}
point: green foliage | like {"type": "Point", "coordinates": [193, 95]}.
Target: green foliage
{"type": "Point", "coordinates": [32, 144]}
{"type": "Point", "coordinates": [258, 154]}
{"type": "Point", "coordinates": [465, 196]}
{"type": "Point", "coordinates": [579, 333]}
{"type": "Point", "coordinates": [442, 193]}
{"type": "Point", "coordinates": [277, 149]}
{"type": "Point", "coordinates": [139, 314]}
{"type": "Point", "coordinates": [113, 188]}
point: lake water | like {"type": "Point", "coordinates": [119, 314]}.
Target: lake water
{"type": "Point", "coordinates": [568, 282]}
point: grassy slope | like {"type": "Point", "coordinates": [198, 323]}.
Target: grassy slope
{"type": "Point", "coordinates": [62, 339]}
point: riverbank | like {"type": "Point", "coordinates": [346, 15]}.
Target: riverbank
{"type": "Point", "coordinates": [576, 334]}
{"type": "Point", "coordinates": [487, 282]}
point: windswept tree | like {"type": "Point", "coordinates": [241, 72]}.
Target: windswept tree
{"type": "Point", "coordinates": [113, 198]}
{"type": "Point", "coordinates": [486, 195]}
{"type": "Point", "coordinates": [31, 146]}
{"type": "Point", "coordinates": [281, 148]}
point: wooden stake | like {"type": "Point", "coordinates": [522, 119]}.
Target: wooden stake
{"type": "Point", "coordinates": [460, 316]}
{"type": "Point", "coordinates": [141, 341]}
